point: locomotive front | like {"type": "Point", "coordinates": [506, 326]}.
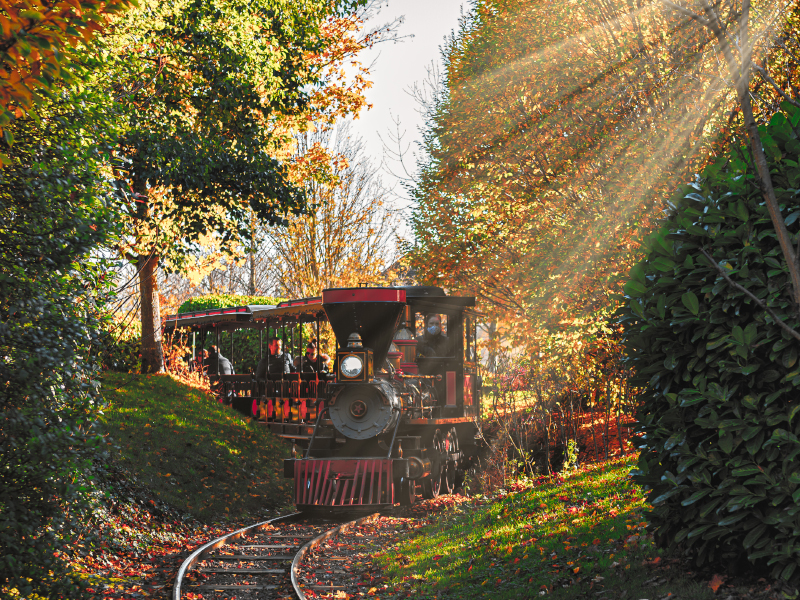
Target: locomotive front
{"type": "Point", "coordinates": [378, 432]}
{"type": "Point", "coordinates": [361, 405]}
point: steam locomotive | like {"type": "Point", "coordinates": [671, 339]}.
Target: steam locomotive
{"type": "Point", "coordinates": [395, 416]}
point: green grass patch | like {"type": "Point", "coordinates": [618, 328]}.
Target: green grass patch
{"type": "Point", "coordinates": [572, 538]}
{"type": "Point", "coordinates": [192, 452]}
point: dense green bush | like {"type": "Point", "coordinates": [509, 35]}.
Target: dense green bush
{"type": "Point", "coordinates": [719, 417]}
{"type": "Point", "coordinates": [225, 301]}
{"type": "Point", "coordinates": [55, 214]}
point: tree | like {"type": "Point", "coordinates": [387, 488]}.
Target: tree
{"type": "Point", "coordinates": [56, 213]}
{"type": "Point", "coordinates": [35, 49]}
{"type": "Point", "coordinates": [348, 234]}
{"type": "Point", "coordinates": [555, 143]}
{"type": "Point", "coordinates": [212, 93]}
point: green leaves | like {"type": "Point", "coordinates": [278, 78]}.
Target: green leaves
{"type": "Point", "coordinates": [691, 302]}
{"type": "Point", "coordinates": [39, 52]}
{"type": "Point", "coordinates": [733, 436]}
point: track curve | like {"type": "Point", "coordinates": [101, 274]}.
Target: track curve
{"type": "Point", "coordinates": [297, 527]}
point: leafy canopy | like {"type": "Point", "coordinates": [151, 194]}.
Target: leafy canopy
{"type": "Point", "coordinates": [37, 49]}
{"type": "Point", "coordinates": [559, 132]}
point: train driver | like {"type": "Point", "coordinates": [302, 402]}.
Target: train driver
{"type": "Point", "coordinates": [433, 342]}
{"type": "Point", "coordinates": [278, 361]}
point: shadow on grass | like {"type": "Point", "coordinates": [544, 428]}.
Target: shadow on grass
{"type": "Point", "coordinates": [191, 451]}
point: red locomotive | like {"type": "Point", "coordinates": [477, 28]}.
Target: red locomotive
{"type": "Point", "coordinates": [397, 412]}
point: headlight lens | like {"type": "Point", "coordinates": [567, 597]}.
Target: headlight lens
{"type": "Point", "coordinates": [352, 366]}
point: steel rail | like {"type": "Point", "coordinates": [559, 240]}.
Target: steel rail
{"type": "Point", "coordinates": [221, 541]}
{"type": "Point", "coordinates": [316, 542]}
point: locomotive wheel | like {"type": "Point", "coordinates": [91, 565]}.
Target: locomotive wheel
{"type": "Point", "coordinates": [449, 468]}
{"type": "Point", "coordinates": [432, 484]}
{"type": "Point", "coordinates": [407, 491]}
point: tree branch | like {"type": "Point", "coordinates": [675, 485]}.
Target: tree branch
{"type": "Point", "coordinates": [687, 12]}
{"type": "Point", "coordinates": [765, 76]}
{"type": "Point", "coordinates": [778, 321]}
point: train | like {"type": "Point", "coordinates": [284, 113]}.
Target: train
{"type": "Point", "coordinates": [394, 416]}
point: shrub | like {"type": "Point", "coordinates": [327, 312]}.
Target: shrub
{"type": "Point", "coordinates": [54, 206]}
{"type": "Point", "coordinates": [225, 301]}
{"type": "Point", "coordinates": [719, 415]}
{"type": "Point", "coordinates": [121, 347]}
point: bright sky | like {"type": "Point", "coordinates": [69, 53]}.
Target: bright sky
{"type": "Point", "coordinates": [396, 67]}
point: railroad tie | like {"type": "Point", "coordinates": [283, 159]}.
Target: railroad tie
{"type": "Point", "coordinates": [250, 571]}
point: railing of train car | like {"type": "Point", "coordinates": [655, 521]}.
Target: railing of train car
{"type": "Point", "coordinates": [285, 397]}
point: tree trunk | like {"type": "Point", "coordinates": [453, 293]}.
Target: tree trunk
{"type": "Point", "coordinates": [620, 438]}
{"type": "Point", "coordinates": [252, 286]}
{"type": "Point", "coordinates": [152, 352]}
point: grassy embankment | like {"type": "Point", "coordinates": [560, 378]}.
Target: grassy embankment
{"type": "Point", "coordinates": [574, 538]}
{"type": "Point", "coordinates": [192, 452]}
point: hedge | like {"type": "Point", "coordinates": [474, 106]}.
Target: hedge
{"type": "Point", "coordinates": [719, 418]}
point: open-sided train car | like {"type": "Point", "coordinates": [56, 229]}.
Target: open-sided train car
{"type": "Point", "coordinates": [396, 414]}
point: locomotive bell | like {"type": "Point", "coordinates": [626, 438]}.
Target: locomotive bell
{"type": "Point", "coordinates": [363, 411]}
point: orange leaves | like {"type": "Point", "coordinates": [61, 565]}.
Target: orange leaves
{"type": "Point", "coordinates": [553, 151]}
{"type": "Point", "coordinates": [716, 582]}
{"type": "Point", "coordinates": [36, 37]}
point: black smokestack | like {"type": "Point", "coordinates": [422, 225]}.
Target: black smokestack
{"type": "Point", "coordinates": [373, 313]}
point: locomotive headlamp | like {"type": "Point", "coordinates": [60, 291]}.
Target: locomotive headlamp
{"type": "Point", "coordinates": [352, 366]}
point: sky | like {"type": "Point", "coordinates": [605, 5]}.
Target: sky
{"type": "Point", "coordinates": [396, 67]}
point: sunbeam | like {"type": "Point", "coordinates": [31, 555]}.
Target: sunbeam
{"type": "Point", "coordinates": [560, 146]}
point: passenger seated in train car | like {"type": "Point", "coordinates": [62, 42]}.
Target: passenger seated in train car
{"type": "Point", "coordinates": [433, 342]}
{"type": "Point", "coordinates": [216, 364]}
{"type": "Point", "coordinates": [312, 362]}
{"type": "Point", "coordinates": [275, 362]}
{"type": "Point", "coordinates": [201, 360]}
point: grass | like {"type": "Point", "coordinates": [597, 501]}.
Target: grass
{"type": "Point", "coordinates": [193, 453]}
{"type": "Point", "coordinates": [581, 537]}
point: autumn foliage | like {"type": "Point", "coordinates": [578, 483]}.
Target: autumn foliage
{"type": "Point", "coordinates": [37, 48]}
{"type": "Point", "coordinates": [557, 138]}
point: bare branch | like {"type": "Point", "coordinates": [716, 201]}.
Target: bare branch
{"type": "Point", "coordinates": [765, 76]}
{"type": "Point", "coordinates": [778, 321]}
{"type": "Point", "coordinates": [687, 12]}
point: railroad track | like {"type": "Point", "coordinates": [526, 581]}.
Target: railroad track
{"type": "Point", "coordinates": [260, 561]}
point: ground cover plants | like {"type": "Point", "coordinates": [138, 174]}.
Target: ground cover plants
{"type": "Point", "coordinates": [170, 444]}
{"type": "Point", "coordinates": [192, 452]}
{"type": "Point", "coordinates": [571, 537]}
